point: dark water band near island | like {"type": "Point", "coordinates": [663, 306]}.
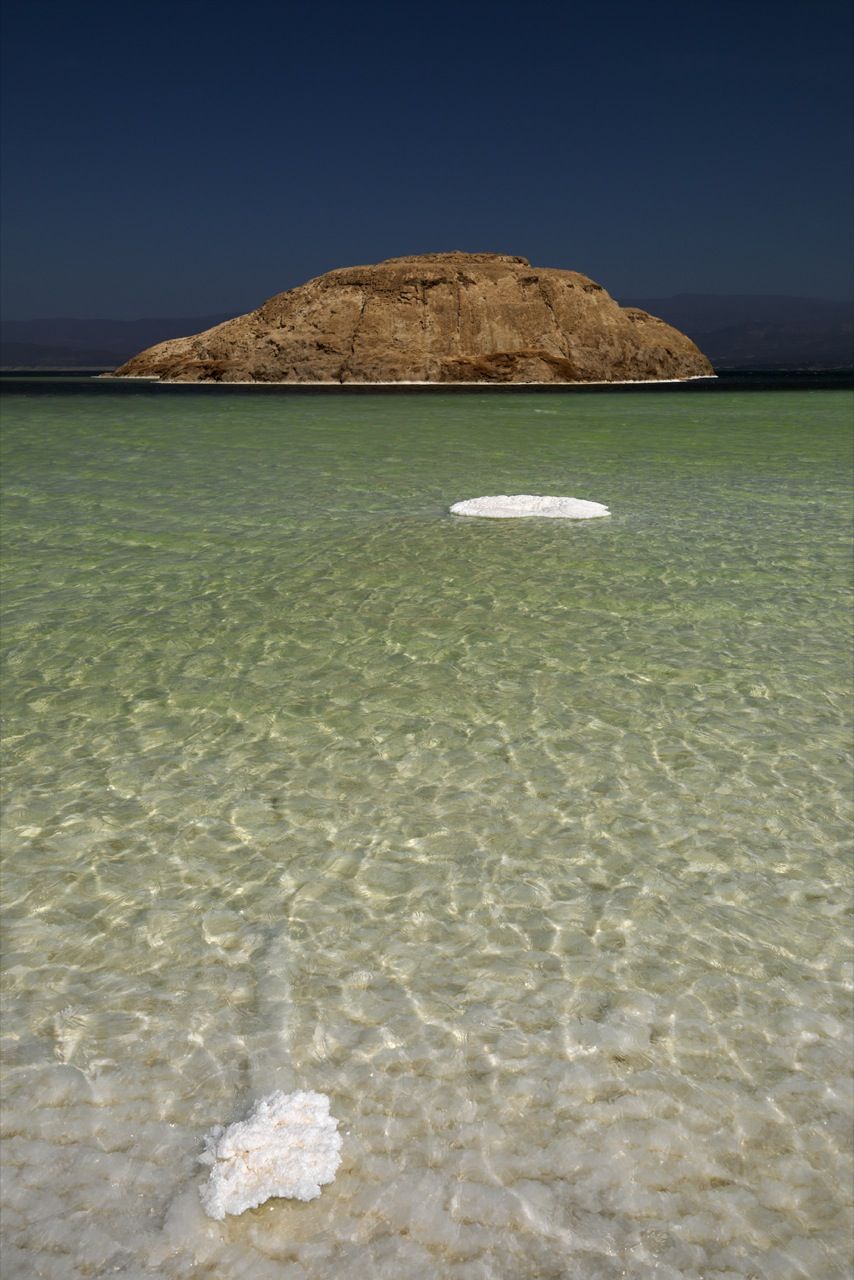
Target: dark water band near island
{"type": "Point", "coordinates": [35, 381]}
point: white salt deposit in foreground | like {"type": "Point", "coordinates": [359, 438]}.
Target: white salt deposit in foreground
{"type": "Point", "coordinates": [505, 506]}
{"type": "Point", "coordinates": [288, 1145]}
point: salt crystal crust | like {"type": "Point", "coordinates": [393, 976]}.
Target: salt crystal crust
{"type": "Point", "coordinates": [288, 1145]}
{"type": "Point", "coordinates": [505, 506]}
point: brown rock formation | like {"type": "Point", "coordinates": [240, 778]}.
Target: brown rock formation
{"type": "Point", "coordinates": [437, 317]}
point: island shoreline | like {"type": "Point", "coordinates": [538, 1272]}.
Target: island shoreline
{"type": "Point", "coordinates": [406, 386]}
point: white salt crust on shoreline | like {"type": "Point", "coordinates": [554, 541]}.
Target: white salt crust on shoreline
{"type": "Point", "coordinates": [287, 1146]}
{"type": "Point", "coordinates": [402, 382]}
{"type": "Point", "coordinates": [505, 506]}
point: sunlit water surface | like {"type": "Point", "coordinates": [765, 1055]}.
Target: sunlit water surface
{"type": "Point", "coordinates": [522, 840]}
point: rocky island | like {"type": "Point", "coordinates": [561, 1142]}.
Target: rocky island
{"type": "Point", "coordinates": [445, 318]}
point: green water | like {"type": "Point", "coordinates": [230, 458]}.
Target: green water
{"type": "Point", "coordinates": [521, 840]}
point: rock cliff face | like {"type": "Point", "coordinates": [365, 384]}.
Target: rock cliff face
{"type": "Point", "coordinates": [437, 317]}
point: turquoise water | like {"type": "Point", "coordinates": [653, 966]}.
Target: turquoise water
{"type": "Point", "coordinates": [521, 840]}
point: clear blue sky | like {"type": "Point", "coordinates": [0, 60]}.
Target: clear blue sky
{"type": "Point", "coordinates": [188, 158]}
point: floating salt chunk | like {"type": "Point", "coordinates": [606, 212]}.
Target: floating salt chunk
{"type": "Point", "coordinates": [505, 506]}
{"type": "Point", "coordinates": [288, 1145]}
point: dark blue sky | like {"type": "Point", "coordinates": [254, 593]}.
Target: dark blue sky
{"type": "Point", "coordinates": [188, 158]}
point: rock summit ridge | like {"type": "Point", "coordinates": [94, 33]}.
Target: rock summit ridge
{"type": "Point", "coordinates": [435, 318]}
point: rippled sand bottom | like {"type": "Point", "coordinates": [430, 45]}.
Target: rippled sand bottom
{"type": "Point", "coordinates": [523, 841]}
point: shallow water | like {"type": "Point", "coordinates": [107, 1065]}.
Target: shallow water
{"type": "Point", "coordinates": [522, 840]}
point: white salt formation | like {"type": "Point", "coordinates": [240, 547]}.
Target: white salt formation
{"type": "Point", "coordinates": [505, 506]}
{"type": "Point", "coordinates": [288, 1145]}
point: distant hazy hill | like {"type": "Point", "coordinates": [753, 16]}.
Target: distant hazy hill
{"type": "Point", "coordinates": [761, 332]}
{"type": "Point", "coordinates": [77, 344]}
{"type": "Point", "coordinates": [735, 332]}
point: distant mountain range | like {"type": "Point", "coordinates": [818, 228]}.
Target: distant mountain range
{"type": "Point", "coordinates": [734, 331]}
{"type": "Point", "coordinates": [761, 332]}
{"type": "Point", "coordinates": [88, 344]}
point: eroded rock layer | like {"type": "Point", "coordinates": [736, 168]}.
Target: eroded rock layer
{"type": "Point", "coordinates": [437, 317]}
